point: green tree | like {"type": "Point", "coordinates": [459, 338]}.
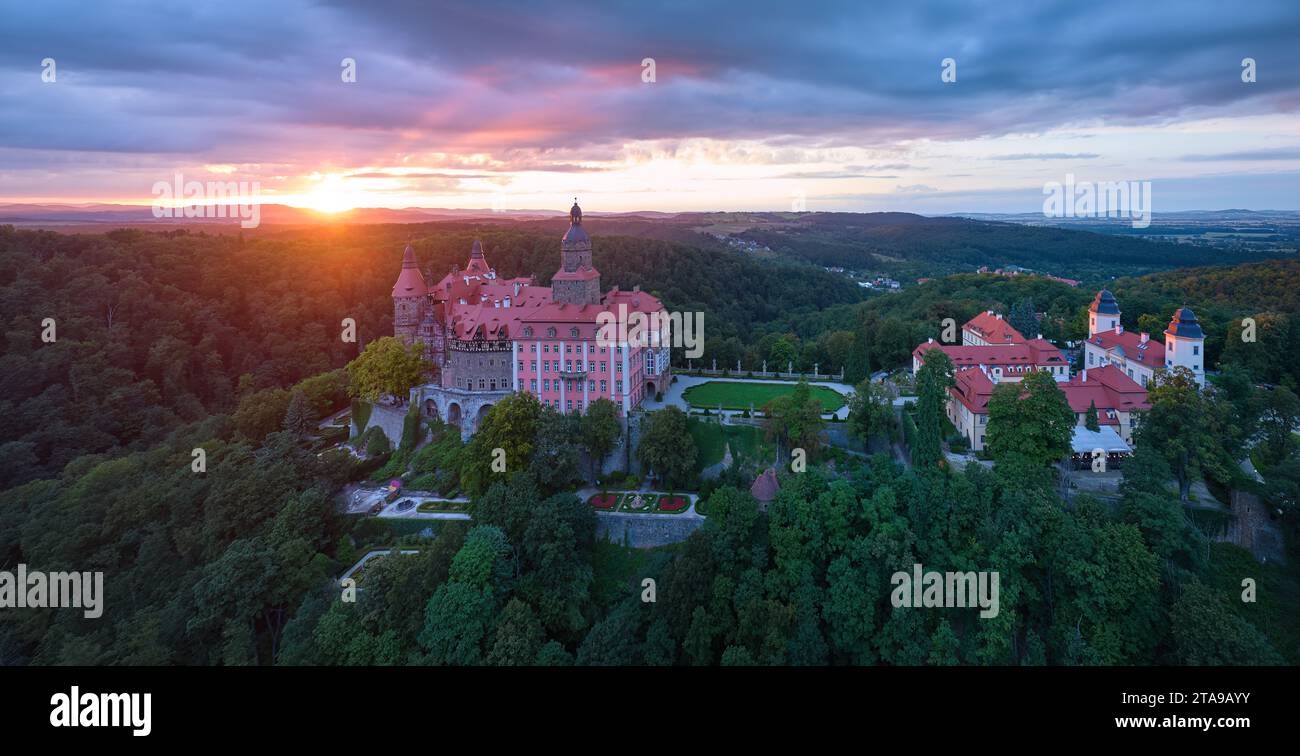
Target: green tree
{"type": "Point", "coordinates": [510, 426]}
{"type": "Point", "coordinates": [556, 453]}
{"type": "Point", "coordinates": [1208, 632]}
{"type": "Point", "coordinates": [666, 446]}
{"type": "Point", "coordinates": [1023, 318]}
{"type": "Point", "coordinates": [600, 430]}
{"type": "Point", "coordinates": [1278, 421]}
{"type": "Point", "coordinates": [795, 420]}
{"type": "Point", "coordinates": [1031, 420]}
{"type": "Point", "coordinates": [298, 418]}
{"type": "Point", "coordinates": [518, 637]}
{"type": "Point", "coordinates": [1090, 420]}
{"type": "Point", "coordinates": [387, 367]}
{"type": "Point", "coordinates": [932, 383]}
{"type": "Point", "coordinates": [871, 411]}
{"type": "Point", "coordinates": [1182, 425]}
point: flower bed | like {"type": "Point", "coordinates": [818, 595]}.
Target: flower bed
{"type": "Point", "coordinates": [673, 504]}
{"type": "Point", "coordinates": [648, 502]}
{"type": "Point", "coordinates": [441, 506]}
{"type": "Point", "coordinates": [603, 501]}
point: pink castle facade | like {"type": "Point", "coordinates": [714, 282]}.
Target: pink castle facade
{"type": "Point", "coordinates": [488, 337]}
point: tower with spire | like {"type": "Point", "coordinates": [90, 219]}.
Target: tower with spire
{"type": "Point", "coordinates": [577, 281]}
{"type": "Point", "coordinates": [1103, 313]}
{"type": "Point", "coordinates": [1185, 344]}
{"type": "Point", "coordinates": [409, 298]}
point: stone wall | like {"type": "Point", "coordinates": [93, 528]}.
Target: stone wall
{"type": "Point", "coordinates": [388, 418]}
{"type": "Point", "coordinates": [644, 531]}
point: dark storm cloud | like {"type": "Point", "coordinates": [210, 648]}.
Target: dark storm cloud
{"type": "Point", "coordinates": [259, 82]}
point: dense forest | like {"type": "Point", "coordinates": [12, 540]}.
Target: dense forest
{"type": "Point", "coordinates": [153, 330]}
{"type": "Point", "coordinates": [910, 246]}
{"type": "Point", "coordinates": [176, 341]}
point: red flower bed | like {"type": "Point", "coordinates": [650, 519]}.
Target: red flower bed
{"type": "Point", "coordinates": [673, 504]}
{"type": "Point", "coordinates": [605, 501]}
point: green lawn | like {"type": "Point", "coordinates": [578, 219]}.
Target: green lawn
{"type": "Point", "coordinates": [711, 440]}
{"type": "Point", "coordinates": [739, 396]}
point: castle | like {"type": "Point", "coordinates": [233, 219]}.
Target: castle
{"type": "Point", "coordinates": [1136, 354]}
{"type": "Point", "coordinates": [1117, 368]}
{"type": "Point", "coordinates": [488, 337]}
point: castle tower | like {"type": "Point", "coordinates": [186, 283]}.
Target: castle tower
{"type": "Point", "coordinates": [1103, 313]}
{"type": "Point", "coordinates": [478, 264]}
{"type": "Point", "coordinates": [576, 282]}
{"type": "Point", "coordinates": [1185, 344]}
{"type": "Point", "coordinates": [409, 294]}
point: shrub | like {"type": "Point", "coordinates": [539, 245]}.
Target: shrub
{"type": "Point", "coordinates": [360, 414]}
{"type": "Point", "coordinates": [376, 443]}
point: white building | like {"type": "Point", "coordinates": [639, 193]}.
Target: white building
{"type": "Point", "coordinates": [1137, 355]}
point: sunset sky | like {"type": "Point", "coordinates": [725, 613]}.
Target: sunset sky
{"type": "Point", "coordinates": [477, 104]}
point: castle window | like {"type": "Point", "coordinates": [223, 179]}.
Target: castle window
{"type": "Point", "coordinates": [573, 332]}
{"type": "Point", "coordinates": [550, 333]}
{"type": "Point", "coordinates": [534, 349]}
{"type": "Point", "coordinates": [602, 387]}
{"type": "Point", "coordinates": [533, 366]}
{"type": "Point", "coordinates": [480, 384]}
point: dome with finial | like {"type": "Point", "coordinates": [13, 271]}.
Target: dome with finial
{"type": "Point", "coordinates": [1105, 304]}
{"type": "Point", "coordinates": [1184, 325]}
{"type": "Point", "coordinates": [575, 235]}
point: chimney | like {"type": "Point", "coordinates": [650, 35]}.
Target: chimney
{"type": "Point", "coordinates": [929, 341]}
{"type": "Point", "coordinates": [1146, 337]}
{"type": "Point", "coordinates": [1085, 375]}
{"type": "Point", "coordinates": [998, 316]}
{"type": "Point", "coordinates": [1040, 337]}
{"type": "Point", "coordinates": [1119, 329]}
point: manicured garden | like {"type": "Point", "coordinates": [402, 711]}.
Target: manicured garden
{"type": "Point", "coordinates": [738, 395]}
{"type": "Point", "coordinates": [635, 502]}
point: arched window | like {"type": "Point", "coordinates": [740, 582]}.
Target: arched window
{"type": "Point", "coordinates": [573, 332]}
{"type": "Point", "coordinates": [550, 333]}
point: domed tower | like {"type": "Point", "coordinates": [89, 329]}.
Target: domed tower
{"type": "Point", "coordinates": [576, 282]}
{"type": "Point", "coordinates": [1103, 313]}
{"type": "Point", "coordinates": [409, 295]}
{"type": "Point", "coordinates": [1185, 344]}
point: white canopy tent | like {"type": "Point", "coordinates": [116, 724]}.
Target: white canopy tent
{"type": "Point", "coordinates": [1086, 441]}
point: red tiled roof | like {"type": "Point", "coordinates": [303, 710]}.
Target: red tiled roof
{"type": "Point", "coordinates": [1035, 352]}
{"type": "Point", "coordinates": [765, 486]}
{"type": "Point", "coordinates": [993, 329]}
{"type": "Point", "coordinates": [1107, 387]}
{"type": "Point", "coordinates": [1151, 352]}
